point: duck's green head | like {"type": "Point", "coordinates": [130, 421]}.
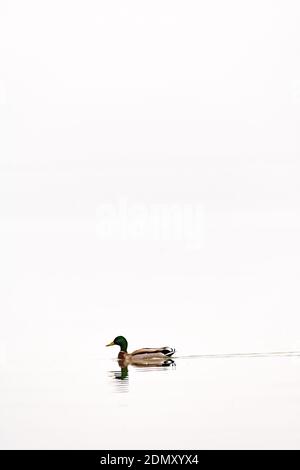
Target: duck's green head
{"type": "Point", "coordinates": [119, 341]}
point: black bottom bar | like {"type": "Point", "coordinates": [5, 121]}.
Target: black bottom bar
{"type": "Point", "coordinates": [135, 458]}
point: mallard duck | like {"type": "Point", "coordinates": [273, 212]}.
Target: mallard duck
{"type": "Point", "coordinates": [155, 356]}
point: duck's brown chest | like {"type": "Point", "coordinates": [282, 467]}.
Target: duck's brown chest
{"type": "Point", "coordinates": [122, 355]}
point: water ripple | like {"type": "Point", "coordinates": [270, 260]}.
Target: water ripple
{"type": "Point", "coordinates": [242, 355]}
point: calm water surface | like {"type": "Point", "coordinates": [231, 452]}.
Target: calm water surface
{"type": "Point", "coordinates": [215, 401]}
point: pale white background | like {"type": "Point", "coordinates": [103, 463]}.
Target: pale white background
{"type": "Point", "coordinates": [162, 103]}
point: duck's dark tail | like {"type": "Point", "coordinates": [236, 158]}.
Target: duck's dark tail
{"type": "Point", "coordinates": [168, 351]}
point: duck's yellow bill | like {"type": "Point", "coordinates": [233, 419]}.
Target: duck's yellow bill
{"type": "Point", "coordinates": [110, 344]}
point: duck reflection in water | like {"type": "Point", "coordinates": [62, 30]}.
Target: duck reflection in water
{"type": "Point", "coordinates": [122, 374]}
